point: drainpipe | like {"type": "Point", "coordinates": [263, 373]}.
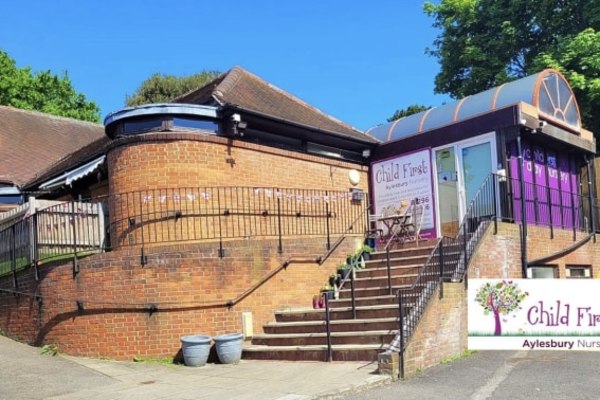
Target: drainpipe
{"type": "Point", "coordinates": [523, 215]}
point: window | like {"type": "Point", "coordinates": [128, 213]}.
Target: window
{"type": "Point", "coordinates": [142, 125]}
{"type": "Point", "coordinates": [542, 271]}
{"type": "Point", "coordinates": [578, 271]}
{"type": "Point", "coordinates": [194, 123]}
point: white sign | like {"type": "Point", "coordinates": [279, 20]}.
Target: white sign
{"type": "Point", "coordinates": [406, 177]}
{"type": "Point", "coordinates": [534, 314]}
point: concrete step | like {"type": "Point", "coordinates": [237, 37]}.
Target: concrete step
{"type": "Point", "coordinates": [382, 337]}
{"type": "Point", "coordinates": [338, 313]}
{"type": "Point", "coordinates": [365, 352]}
{"type": "Point", "coordinates": [381, 270]}
{"type": "Point", "coordinates": [345, 325]}
{"type": "Point", "coordinates": [366, 301]}
{"type": "Point", "coordinates": [398, 260]}
{"type": "Point", "coordinates": [379, 281]}
{"type": "Point", "coordinates": [374, 291]}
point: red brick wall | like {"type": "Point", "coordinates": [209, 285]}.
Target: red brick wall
{"type": "Point", "coordinates": [194, 161]}
{"type": "Point", "coordinates": [499, 256]}
{"type": "Point", "coordinates": [442, 331]}
{"type": "Point", "coordinates": [184, 282]}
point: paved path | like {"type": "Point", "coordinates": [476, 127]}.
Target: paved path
{"type": "Point", "coordinates": [500, 375]}
{"type": "Point", "coordinates": [26, 374]}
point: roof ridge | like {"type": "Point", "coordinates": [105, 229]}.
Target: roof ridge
{"type": "Point", "coordinates": [239, 71]}
{"type": "Point", "coordinates": [44, 114]}
{"type": "Point", "coordinates": [230, 79]}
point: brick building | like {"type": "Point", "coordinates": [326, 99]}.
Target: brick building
{"type": "Point", "coordinates": [233, 205]}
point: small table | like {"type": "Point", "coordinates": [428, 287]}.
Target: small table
{"type": "Point", "coordinates": [401, 221]}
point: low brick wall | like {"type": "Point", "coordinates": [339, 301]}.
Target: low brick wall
{"type": "Point", "coordinates": [442, 331]}
{"type": "Point", "coordinates": [188, 285]}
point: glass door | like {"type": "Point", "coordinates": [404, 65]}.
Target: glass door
{"type": "Point", "coordinates": [476, 166]}
{"type": "Point", "coordinates": [447, 191]}
{"type": "Point", "coordinates": [461, 169]}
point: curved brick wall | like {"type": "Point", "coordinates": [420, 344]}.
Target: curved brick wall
{"type": "Point", "coordinates": [182, 281]}
{"type": "Point", "coordinates": [190, 160]}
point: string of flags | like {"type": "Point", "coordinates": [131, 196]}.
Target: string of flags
{"type": "Point", "coordinates": [266, 193]}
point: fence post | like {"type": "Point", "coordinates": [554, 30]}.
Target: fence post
{"type": "Point", "coordinates": [495, 214]}
{"type": "Point", "coordinates": [401, 332]}
{"type": "Point", "coordinates": [352, 292]}
{"type": "Point", "coordinates": [143, 258]}
{"type": "Point", "coordinates": [328, 215]}
{"type": "Point", "coordinates": [280, 245]}
{"type": "Point", "coordinates": [34, 253]}
{"type": "Point", "coordinates": [328, 329]}
{"type": "Point", "coordinates": [221, 250]}
{"type": "Point", "coordinates": [441, 279]}
{"type": "Point", "coordinates": [389, 269]}
{"type": "Point", "coordinates": [13, 256]}
{"type": "Point", "coordinates": [74, 230]}
{"type": "Point", "coordinates": [571, 195]}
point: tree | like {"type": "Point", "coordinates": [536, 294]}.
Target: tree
{"type": "Point", "coordinates": [405, 112]}
{"type": "Point", "coordinates": [160, 88]}
{"type": "Point", "coordinates": [484, 43]}
{"type": "Point", "coordinates": [578, 59]}
{"type": "Point", "coordinates": [501, 298]}
{"type": "Point", "coordinates": [43, 91]}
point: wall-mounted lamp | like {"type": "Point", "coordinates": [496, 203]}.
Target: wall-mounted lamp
{"type": "Point", "coordinates": [366, 153]}
{"type": "Point", "coordinates": [354, 177]}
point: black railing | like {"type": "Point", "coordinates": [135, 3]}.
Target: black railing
{"type": "Point", "coordinates": [218, 213]}
{"type": "Point", "coordinates": [498, 198]}
{"type": "Point", "coordinates": [60, 231]}
{"type": "Point", "coordinates": [448, 260]}
{"type": "Point", "coordinates": [555, 207]}
{"type": "Point", "coordinates": [178, 215]}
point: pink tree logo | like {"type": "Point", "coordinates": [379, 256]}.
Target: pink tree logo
{"type": "Point", "coordinates": [499, 299]}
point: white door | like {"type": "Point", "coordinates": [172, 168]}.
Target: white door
{"type": "Point", "coordinates": [475, 159]}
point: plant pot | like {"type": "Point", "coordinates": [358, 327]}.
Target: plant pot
{"type": "Point", "coordinates": [331, 280]}
{"type": "Point", "coordinates": [330, 294]}
{"type": "Point", "coordinates": [346, 273]}
{"type": "Point", "coordinates": [195, 349]}
{"type": "Point", "coordinates": [366, 256]}
{"type": "Point", "coordinates": [229, 348]}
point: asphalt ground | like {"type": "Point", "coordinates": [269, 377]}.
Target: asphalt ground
{"type": "Point", "coordinates": [499, 375]}
{"type": "Point", "coordinates": [27, 374]}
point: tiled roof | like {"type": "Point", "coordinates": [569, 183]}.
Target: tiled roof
{"type": "Point", "coordinates": [240, 88]}
{"type": "Point", "coordinates": [93, 150]}
{"type": "Point", "coordinates": [31, 142]}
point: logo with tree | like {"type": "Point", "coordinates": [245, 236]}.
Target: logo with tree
{"type": "Point", "coordinates": [499, 299]}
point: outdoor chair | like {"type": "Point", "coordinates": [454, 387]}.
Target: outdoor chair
{"type": "Point", "coordinates": [416, 221]}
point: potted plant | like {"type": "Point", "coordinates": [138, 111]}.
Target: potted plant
{"type": "Point", "coordinates": [344, 270]}
{"type": "Point", "coordinates": [332, 279]}
{"type": "Point", "coordinates": [328, 291]}
{"type": "Point", "coordinates": [365, 251]}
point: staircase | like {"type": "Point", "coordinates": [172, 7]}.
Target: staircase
{"type": "Point", "coordinates": [300, 334]}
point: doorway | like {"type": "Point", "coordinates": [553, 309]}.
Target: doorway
{"type": "Point", "coordinates": [461, 169]}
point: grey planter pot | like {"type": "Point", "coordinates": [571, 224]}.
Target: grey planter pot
{"type": "Point", "coordinates": [195, 349]}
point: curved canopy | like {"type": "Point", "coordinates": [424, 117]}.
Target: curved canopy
{"type": "Point", "coordinates": [548, 91]}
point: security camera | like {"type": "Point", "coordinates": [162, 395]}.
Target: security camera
{"type": "Point", "coordinates": [236, 117]}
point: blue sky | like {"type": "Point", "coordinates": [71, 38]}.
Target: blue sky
{"type": "Point", "coordinates": [358, 61]}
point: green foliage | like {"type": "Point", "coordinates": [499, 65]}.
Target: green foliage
{"type": "Point", "coordinates": [43, 91]}
{"type": "Point", "coordinates": [451, 359]}
{"type": "Point", "coordinates": [50, 350]}
{"type": "Point", "coordinates": [405, 112]}
{"type": "Point", "coordinates": [578, 58]}
{"type": "Point", "coordinates": [160, 88]}
{"type": "Point", "coordinates": [502, 297]}
{"type": "Point", "coordinates": [484, 43]}
{"type": "Point", "coordinates": [165, 361]}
